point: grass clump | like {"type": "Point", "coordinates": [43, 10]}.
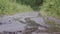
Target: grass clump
{"type": "Point", "coordinates": [51, 8]}
{"type": "Point", "coordinates": [8, 7]}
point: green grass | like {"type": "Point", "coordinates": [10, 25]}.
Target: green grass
{"type": "Point", "coordinates": [8, 7]}
{"type": "Point", "coordinates": [51, 8]}
{"type": "Point", "coordinates": [19, 8]}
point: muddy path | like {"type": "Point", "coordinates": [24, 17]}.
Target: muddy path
{"type": "Point", "coordinates": [9, 21]}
